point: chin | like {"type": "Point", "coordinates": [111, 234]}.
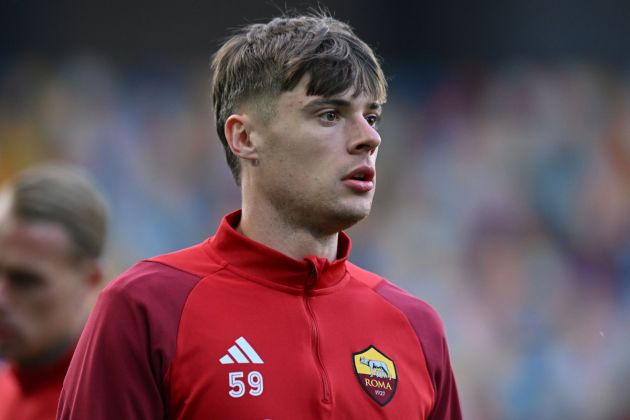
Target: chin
{"type": "Point", "coordinates": [348, 217]}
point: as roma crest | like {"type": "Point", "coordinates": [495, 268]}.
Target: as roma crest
{"type": "Point", "coordinates": [376, 373]}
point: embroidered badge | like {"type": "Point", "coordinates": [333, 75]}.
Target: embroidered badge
{"type": "Point", "coordinates": [376, 374]}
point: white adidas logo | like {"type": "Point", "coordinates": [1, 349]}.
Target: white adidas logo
{"type": "Point", "coordinates": [237, 350]}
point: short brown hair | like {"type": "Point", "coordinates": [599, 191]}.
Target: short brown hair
{"type": "Point", "coordinates": [261, 61]}
{"type": "Point", "coordinates": [64, 195]}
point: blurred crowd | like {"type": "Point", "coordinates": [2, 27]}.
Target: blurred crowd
{"type": "Point", "coordinates": [503, 199]}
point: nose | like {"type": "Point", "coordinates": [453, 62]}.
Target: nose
{"type": "Point", "coordinates": [363, 137]}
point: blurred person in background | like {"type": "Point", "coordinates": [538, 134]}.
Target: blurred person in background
{"type": "Point", "coordinates": [52, 231]}
{"type": "Point", "coordinates": [267, 318]}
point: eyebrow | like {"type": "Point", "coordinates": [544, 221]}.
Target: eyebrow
{"type": "Point", "coordinates": [340, 103]}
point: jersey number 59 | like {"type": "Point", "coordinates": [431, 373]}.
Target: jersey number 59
{"type": "Point", "coordinates": [238, 387]}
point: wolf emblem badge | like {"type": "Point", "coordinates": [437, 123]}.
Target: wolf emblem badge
{"type": "Point", "coordinates": [376, 374]}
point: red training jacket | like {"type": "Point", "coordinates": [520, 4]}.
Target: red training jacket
{"type": "Point", "coordinates": [232, 329]}
{"type": "Point", "coordinates": [31, 393]}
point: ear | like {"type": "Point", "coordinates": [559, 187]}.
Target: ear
{"type": "Point", "coordinates": [93, 274]}
{"type": "Point", "coordinates": [93, 277]}
{"type": "Point", "coordinates": [238, 134]}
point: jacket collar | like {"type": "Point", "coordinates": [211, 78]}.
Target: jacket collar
{"type": "Point", "coordinates": [260, 263]}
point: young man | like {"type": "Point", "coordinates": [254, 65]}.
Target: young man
{"type": "Point", "coordinates": [268, 319]}
{"type": "Point", "coordinates": [52, 228]}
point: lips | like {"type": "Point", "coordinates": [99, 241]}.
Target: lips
{"type": "Point", "coordinates": [360, 179]}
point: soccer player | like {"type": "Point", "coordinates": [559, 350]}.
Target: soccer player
{"type": "Point", "coordinates": [52, 228]}
{"type": "Point", "coordinates": [268, 319]}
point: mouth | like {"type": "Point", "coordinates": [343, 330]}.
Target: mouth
{"type": "Point", "coordinates": [360, 179]}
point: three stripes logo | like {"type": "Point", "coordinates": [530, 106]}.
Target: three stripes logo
{"type": "Point", "coordinates": [241, 352]}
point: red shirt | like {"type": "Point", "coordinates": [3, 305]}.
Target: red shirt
{"type": "Point", "coordinates": [31, 394]}
{"type": "Point", "coordinates": [232, 329]}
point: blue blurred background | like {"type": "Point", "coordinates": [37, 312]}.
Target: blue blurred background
{"type": "Point", "coordinates": [504, 174]}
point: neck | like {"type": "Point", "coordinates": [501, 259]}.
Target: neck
{"type": "Point", "coordinates": [263, 223]}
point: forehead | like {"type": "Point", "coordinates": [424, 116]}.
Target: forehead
{"type": "Point", "coordinates": [31, 243]}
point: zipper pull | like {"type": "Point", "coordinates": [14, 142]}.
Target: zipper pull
{"type": "Point", "coordinates": [313, 274]}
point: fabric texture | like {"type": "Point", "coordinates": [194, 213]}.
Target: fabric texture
{"type": "Point", "coordinates": [232, 329]}
{"type": "Point", "coordinates": [31, 394]}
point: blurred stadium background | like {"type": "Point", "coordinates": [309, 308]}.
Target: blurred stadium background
{"type": "Point", "coordinates": [504, 176]}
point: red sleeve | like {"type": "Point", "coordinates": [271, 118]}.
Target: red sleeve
{"type": "Point", "coordinates": [124, 353]}
{"type": "Point", "coordinates": [430, 331]}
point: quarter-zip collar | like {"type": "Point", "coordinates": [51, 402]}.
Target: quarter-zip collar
{"type": "Point", "coordinates": [258, 262]}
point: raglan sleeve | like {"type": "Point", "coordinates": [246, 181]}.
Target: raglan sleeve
{"type": "Point", "coordinates": [447, 404]}
{"type": "Point", "coordinates": [125, 350]}
{"type": "Point", "coordinates": [430, 331]}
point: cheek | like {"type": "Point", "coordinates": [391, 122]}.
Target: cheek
{"type": "Point", "coordinates": [301, 159]}
{"type": "Point", "coordinates": [33, 318]}
{"type": "Point", "coordinates": [44, 308]}
{"type": "Point", "coordinates": [37, 307]}
{"type": "Point", "coordinates": [315, 162]}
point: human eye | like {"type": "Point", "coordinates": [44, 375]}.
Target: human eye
{"type": "Point", "coordinates": [329, 116]}
{"type": "Point", "coordinates": [373, 119]}
{"type": "Point", "coordinates": [23, 280]}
